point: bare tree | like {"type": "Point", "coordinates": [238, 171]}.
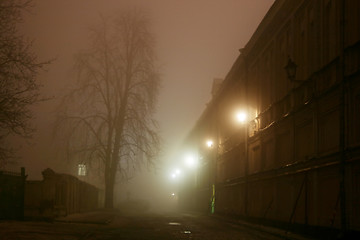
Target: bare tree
{"type": "Point", "coordinates": [18, 71]}
{"type": "Point", "coordinates": [108, 113]}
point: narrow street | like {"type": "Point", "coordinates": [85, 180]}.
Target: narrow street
{"type": "Point", "coordinates": [109, 226]}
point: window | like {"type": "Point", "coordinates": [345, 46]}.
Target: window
{"type": "Point", "coordinates": [82, 170]}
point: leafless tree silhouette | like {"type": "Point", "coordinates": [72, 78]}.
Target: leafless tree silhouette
{"type": "Point", "coordinates": [19, 68]}
{"type": "Point", "coordinates": [108, 114]}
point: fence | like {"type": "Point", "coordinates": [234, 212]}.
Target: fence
{"type": "Point", "coordinates": [12, 188]}
{"type": "Point", "coordinates": [58, 195]}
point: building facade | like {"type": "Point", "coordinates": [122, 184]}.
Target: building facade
{"type": "Point", "coordinates": [294, 162]}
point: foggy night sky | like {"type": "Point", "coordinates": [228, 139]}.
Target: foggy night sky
{"type": "Point", "coordinates": [197, 41]}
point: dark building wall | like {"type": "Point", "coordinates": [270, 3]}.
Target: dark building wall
{"type": "Point", "coordinates": [296, 162]}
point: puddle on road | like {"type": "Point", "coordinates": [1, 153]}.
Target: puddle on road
{"type": "Point", "coordinates": [178, 224]}
{"type": "Point", "coordinates": [174, 223]}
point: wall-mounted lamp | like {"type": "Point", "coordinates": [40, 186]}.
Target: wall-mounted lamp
{"type": "Point", "coordinates": [191, 161]}
{"type": "Point", "coordinates": [290, 69]}
{"type": "Point", "coordinates": [241, 117]}
{"type": "Point", "coordinates": [209, 143]}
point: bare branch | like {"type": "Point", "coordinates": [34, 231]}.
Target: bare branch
{"type": "Point", "coordinates": [19, 68]}
{"type": "Point", "coordinates": [109, 112]}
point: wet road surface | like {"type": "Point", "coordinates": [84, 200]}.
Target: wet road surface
{"type": "Point", "coordinates": [169, 226]}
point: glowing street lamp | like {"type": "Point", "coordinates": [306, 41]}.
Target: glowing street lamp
{"type": "Point", "coordinates": [190, 161]}
{"type": "Point", "coordinates": [175, 174]}
{"type": "Point", "coordinates": [209, 143]}
{"type": "Point", "coordinates": [241, 117]}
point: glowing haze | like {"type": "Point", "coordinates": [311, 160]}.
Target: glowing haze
{"type": "Point", "coordinates": [197, 41]}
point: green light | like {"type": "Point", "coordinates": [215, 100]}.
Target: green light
{"type": "Point", "coordinates": [213, 200]}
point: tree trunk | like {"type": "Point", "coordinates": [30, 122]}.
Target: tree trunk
{"type": "Point", "coordinates": [109, 193]}
{"type": "Point", "coordinates": [109, 187]}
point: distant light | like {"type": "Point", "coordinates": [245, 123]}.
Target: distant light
{"type": "Point", "coordinates": [173, 194]}
{"type": "Point", "coordinates": [191, 161]}
{"type": "Point", "coordinates": [209, 143]}
{"type": "Point", "coordinates": [175, 173]}
{"type": "Point", "coordinates": [241, 117]}
{"type": "Point", "coordinates": [81, 170]}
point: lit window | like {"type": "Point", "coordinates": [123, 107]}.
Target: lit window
{"type": "Point", "coordinates": [82, 170]}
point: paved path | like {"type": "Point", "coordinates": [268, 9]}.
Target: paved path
{"type": "Point", "coordinates": [108, 226]}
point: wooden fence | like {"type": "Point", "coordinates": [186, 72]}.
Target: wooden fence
{"type": "Point", "coordinates": [12, 188]}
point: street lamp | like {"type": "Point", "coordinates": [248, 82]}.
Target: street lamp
{"type": "Point", "coordinates": [209, 143]}
{"type": "Point", "coordinates": [241, 116]}
{"type": "Point", "coordinates": [290, 69]}
{"type": "Point", "coordinates": [191, 161]}
{"type": "Point", "coordinates": [175, 174]}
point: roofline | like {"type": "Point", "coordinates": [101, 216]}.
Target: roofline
{"type": "Point", "coordinates": [271, 13]}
